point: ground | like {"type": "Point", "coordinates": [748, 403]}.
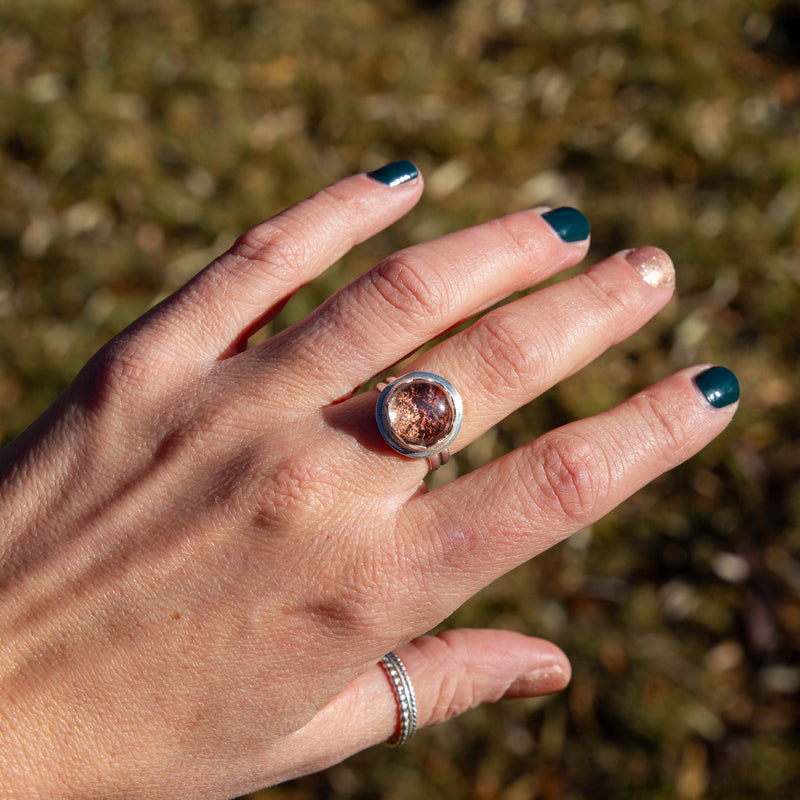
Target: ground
{"type": "Point", "coordinates": [139, 137]}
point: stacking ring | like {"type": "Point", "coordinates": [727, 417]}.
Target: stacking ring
{"type": "Point", "coordinates": [406, 701]}
{"type": "Point", "coordinates": [419, 415]}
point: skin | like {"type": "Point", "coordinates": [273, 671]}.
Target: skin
{"type": "Point", "coordinates": [206, 549]}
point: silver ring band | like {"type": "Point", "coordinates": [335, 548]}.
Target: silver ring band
{"type": "Point", "coordinates": [406, 701]}
{"type": "Point", "coordinates": [438, 459]}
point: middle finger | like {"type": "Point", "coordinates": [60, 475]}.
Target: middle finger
{"type": "Point", "coordinates": [514, 353]}
{"type": "Point", "coordinates": [419, 293]}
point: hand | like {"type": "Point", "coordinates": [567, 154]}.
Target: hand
{"type": "Point", "coordinates": [206, 548]}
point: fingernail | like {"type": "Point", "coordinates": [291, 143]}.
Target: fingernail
{"type": "Point", "coordinates": [653, 265]}
{"type": "Point", "coordinates": [568, 223]}
{"type": "Point", "coordinates": [719, 386]}
{"type": "Point", "coordinates": [396, 173]}
{"type": "Point", "coordinates": [544, 680]}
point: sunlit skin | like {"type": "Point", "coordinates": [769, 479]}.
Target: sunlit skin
{"type": "Point", "coordinates": [206, 548]}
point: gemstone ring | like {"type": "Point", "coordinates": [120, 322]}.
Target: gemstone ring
{"type": "Point", "coordinates": [419, 415]}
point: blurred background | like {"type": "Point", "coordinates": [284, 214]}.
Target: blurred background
{"type": "Point", "coordinates": [139, 137]}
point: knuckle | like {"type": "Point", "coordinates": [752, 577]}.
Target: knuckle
{"type": "Point", "coordinates": [462, 684]}
{"type": "Point", "coordinates": [353, 594]}
{"type": "Point", "coordinates": [452, 699]}
{"type": "Point", "coordinates": [280, 501]}
{"type": "Point", "coordinates": [272, 248]}
{"type": "Point", "coordinates": [285, 246]}
{"type": "Point", "coordinates": [342, 609]}
{"type": "Point", "coordinates": [404, 292]}
{"type": "Point", "coordinates": [525, 239]}
{"type": "Point", "coordinates": [347, 597]}
{"type": "Point", "coordinates": [664, 423]}
{"type": "Point", "coordinates": [615, 299]}
{"type": "Point", "coordinates": [292, 491]}
{"type": "Point", "coordinates": [121, 371]}
{"type": "Point", "coordinates": [339, 196]}
{"type": "Point", "coordinates": [343, 598]}
{"type": "Point", "coordinates": [504, 360]}
{"type": "Point", "coordinates": [455, 691]}
{"type": "Point", "coordinates": [571, 476]}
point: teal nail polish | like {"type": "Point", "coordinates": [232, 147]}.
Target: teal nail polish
{"type": "Point", "coordinates": [396, 173]}
{"type": "Point", "coordinates": [568, 223]}
{"type": "Point", "coordinates": [719, 386]}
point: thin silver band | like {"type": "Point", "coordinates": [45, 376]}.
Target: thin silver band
{"type": "Point", "coordinates": [438, 459]}
{"type": "Point", "coordinates": [404, 694]}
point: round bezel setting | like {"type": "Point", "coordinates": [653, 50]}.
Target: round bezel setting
{"type": "Point", "coordinates": [419, 414]}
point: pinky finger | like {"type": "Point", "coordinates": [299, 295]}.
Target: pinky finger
{"type": "Point", "coordinates": [495, 518]}
{"type": "Point", "coordinates": [450, 673]}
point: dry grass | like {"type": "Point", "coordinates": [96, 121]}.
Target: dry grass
{"type": "Point", "coordinates": [139, 137]}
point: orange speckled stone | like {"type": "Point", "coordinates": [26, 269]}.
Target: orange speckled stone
{"type": "Point", "coordinates": [420, 413]}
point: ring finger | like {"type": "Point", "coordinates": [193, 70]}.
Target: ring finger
{"type": "Point", "coordinates": [516, 352]}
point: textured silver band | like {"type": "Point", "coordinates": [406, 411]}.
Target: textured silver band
{"type": "Point", "coordinates": [438, 459]}
{"type": "Point", "coordinates": [406, 702]}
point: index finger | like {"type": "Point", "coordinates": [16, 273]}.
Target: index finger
{"type": "Point", "coordinates": [228, 300]}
